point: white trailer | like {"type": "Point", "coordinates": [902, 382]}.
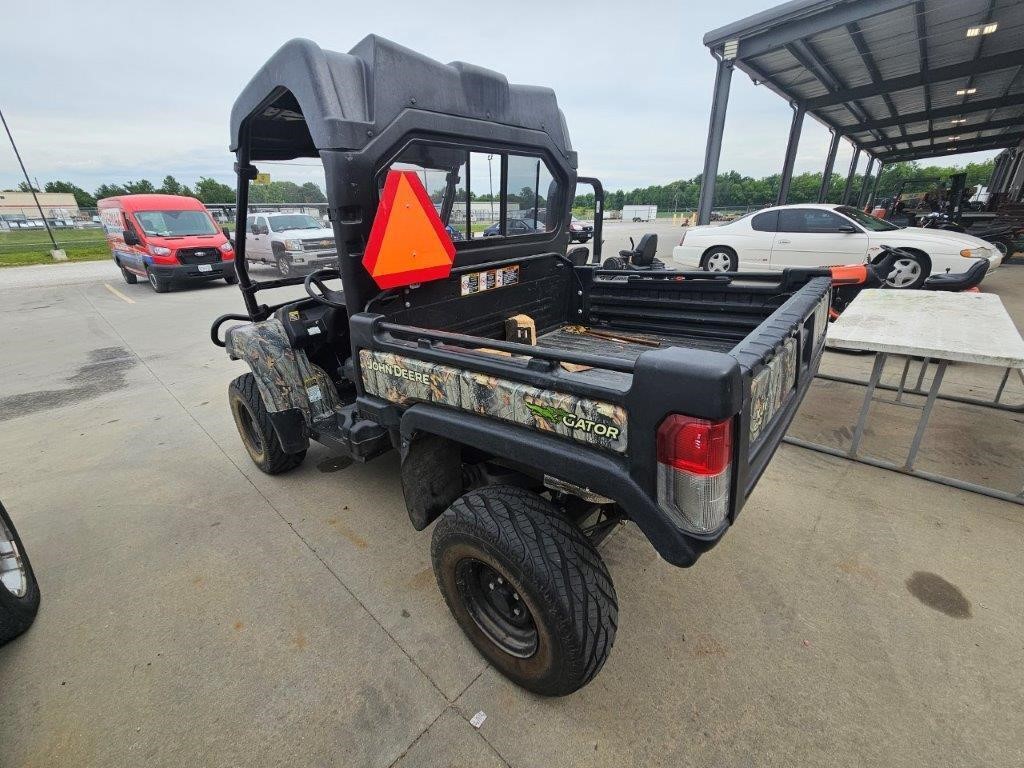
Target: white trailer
{"type": "Point", "coordinates": [639, 212]}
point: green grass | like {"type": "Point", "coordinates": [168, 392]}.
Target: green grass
{"type": "Point", "coordinates": [20, 248]}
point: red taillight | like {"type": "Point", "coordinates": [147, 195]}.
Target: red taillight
{"type": "Point", "coordinates": [698, 446]}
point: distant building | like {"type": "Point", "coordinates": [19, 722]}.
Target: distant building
{"type": "Point", "coordinates": [18, 209]}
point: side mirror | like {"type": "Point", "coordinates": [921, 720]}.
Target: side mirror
{"type": "Point", "coordinates": [847, 229]}
{"type": "Point", "coordinates": [130, 238]}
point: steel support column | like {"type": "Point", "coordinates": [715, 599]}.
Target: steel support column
{"type": "Point", "coordinates": [850, 175]}
{"type": "Point", "coordinates": [865, 183]}
{"type": "Point", "coordinates": [790, 161]}
{"type": "Point", "coordinates": [830, 161]}
{"type": "Point", "coordinates": [874, 186]}
{"type": "Point", "coordinates": [719, 102]}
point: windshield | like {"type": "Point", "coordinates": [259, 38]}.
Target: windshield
{"type": "Point", "coordinates": [176, 223]}
{"type": "Point", "coordinates": [293, 221]}
{"type": "Point", "coordinates": [869, 223]}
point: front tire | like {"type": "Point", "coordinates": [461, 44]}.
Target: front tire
{"type": "Point", "coordinates": [159, 284]}
{"type": "Point", "coordinates": [284, 265]}
{"type": "Point", "coordinates": [527, 588]}
{"type": "Point", "coordinates": [19, 590]}
{"type": "Point", "coordinates": [256, 430]}
{"type": "Point", "coordinates": [909, 271]}
{"type": "Point", "coordinates": [129, 277]}
{"type": "Point", "coordinates": [719, 259]}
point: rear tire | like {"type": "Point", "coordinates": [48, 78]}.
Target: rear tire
{"type": "Point", "coordinates": [231, 278]}
{"type": "Point", "coordinates": [159, 284]}
{"type": "Point", "coordinates": [720, 258]}
{"type": "Point", "coordinates": [613, 262]}
{"type": "Point", "coordinates": [129, 277]}
{"type": "Point", "coordinates": [527, 588]}
{"type": "Point", "coordinates": [19, 590]}
{"type": "Point", "coordinates": [256, 430]}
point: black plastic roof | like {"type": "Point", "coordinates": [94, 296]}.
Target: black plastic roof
{"type": "Point", "coordinates": [886, 73]}
{"type": "Point", "coordinates": [306, 99]}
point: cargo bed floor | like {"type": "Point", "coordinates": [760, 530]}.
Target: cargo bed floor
{"type": "Point", "coordinates": [624, 345]}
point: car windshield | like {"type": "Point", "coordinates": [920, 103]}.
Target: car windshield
{"type": "Point", "coordinates": [869, 223]}
{"type": "Point", "coordinates": [293, 221]}
{"type": "Point", "coordinates": [176, 223]}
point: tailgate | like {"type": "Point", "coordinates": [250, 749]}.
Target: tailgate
{"type": "Point", "coordinates": [778, 360]}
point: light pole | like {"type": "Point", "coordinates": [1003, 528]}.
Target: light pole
{"type": "Point", "coordinates": [31, 188]}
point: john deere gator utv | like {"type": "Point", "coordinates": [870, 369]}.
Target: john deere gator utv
{"type": "Point", "coordinates": [535, 398]}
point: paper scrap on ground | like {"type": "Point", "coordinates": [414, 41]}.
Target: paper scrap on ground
{"type": "Point", "coordinates": [478, 719]}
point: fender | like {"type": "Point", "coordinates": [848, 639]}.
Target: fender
{"type": "Point", "coordinates": [296, 392]}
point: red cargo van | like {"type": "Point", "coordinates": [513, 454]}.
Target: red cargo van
{"type": "Point", "coordinates": [166, 239]}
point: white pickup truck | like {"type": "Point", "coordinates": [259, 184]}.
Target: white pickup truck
{"type": "Point", "coordinates": [292, 242]}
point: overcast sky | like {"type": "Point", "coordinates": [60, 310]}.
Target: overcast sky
{"type": "Point", "coordinates": [113, 91]}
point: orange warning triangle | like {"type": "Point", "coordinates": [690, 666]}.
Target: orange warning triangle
{"type": "Point", "coordinates": [408, 243]}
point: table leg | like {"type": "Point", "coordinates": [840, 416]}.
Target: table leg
{"type": "Point", "coordinates": [920, 375]}
{"type": "Point", "coordinates": [1002, 385]}
{"type": "Point", "coordinates": [903, 380]}
{"type": "Point", "coordinates": [876, 374]}
{"type": "Point", "coordinates": [933, 392]}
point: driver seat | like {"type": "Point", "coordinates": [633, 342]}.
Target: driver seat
{"type": "Point", "coordinates": [642, 256]}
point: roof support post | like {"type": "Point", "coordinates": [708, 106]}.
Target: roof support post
{"type": "Point", "coordinates": [862, 199]}
{"type": "Point", "coordinates": [830, 161]}
{"type": "Point", "coordinates": [791, 146]}
{"type": "Point", "coordinates": [874, 186]}
{"type": "Point", "coordinates": [850, 175]}
{"type": "Point", "coordinates": [716, 128]}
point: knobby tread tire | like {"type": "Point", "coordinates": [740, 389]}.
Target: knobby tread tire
{"type": "Point", "coordinates": [556, 563]}
{"type": "Point", "coordinates": [275, 460]}
{"type": "Point", "coordinates": [18, 613]}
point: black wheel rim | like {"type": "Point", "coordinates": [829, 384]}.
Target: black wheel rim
{"type": "Point", "coordinates": [497, 608]}
{"type": "Point", "coordinates": [152, 279]}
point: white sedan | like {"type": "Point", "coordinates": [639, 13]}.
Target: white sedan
{"type": "Point", "coordinates": [825, 236]}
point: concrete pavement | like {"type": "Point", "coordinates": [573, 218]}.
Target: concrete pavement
{"type": "Point", "coordinates": [197, 612]}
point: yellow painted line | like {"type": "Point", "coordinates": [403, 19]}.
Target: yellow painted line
{"type": "Point", "coordinates": [117, 293]}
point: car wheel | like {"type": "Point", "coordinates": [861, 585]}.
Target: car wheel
{"type": "Point", "coordinates": [1002, 247]}
{"type": "Point", "coordinates": [159, 284]}
{"type": "Point", "coordinates": [256, 430]}
{"type": "Point", "coordinates": [908, 272]}
{"type": "Point", "coordinates": [527, 588]}
{"type": "Point", "coordinates": [720, 259]}
{"type": "Point", "coordinates": [284, 265]}
{"type": "Point", "coordinates": [19, 590]}
{"type": "Point", "coordinates": [231, 277]}
{"type": "Point", "coordinates": [129, 277]}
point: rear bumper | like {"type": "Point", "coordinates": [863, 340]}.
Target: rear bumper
{"type": "Point", "coordinates": [193, 273]}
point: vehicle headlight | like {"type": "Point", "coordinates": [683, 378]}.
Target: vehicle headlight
{"type": "Point", "coordinates": [293, 245]}
{"type": "Point", "coordinates": [226, 247]}
{"type": "Point", "coordinates": [967, 253]}
{"type": "Point", "coordinates": [159, 250]}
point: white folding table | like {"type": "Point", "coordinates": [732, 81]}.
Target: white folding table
{"type": "Point", "coordinates": [938, 327]}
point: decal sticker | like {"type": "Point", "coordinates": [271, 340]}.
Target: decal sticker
{"type": "Point", "coordinates": [406, 380]}
{"type": "Point", "coordinates": [489, 279]}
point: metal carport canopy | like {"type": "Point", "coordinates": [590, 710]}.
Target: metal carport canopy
{"type": "Point", "coordinates": [898, 79]}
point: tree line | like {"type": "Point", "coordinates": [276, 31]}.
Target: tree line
{"type": "Point", "coordinates": [205, 189]}
{"type": "Point", "coordinates": [732, 189]}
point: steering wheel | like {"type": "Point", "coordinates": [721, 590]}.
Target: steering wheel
{"type": "Point", "coordinates": [317, 278]}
